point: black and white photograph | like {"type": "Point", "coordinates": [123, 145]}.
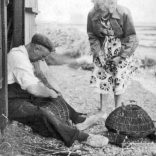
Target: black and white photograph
{"type": "Point", "coordinates": [77, 78]}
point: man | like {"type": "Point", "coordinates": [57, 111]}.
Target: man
{"type": "Point", "coordinates": [36, 102]}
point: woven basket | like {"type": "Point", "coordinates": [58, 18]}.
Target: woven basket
{"type": "Point", "coordinates": [57, 106]}
{"type": "Point", "coordinates": [130, 120]}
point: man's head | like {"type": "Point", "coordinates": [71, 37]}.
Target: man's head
{"type": "Point", "coordinates": [39, 47]}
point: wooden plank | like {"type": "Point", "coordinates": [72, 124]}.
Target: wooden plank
{"type": "Point", "coordinates": [0, 49]}
{"type": "Point", "coordinates": [18, 25]}
{"type": "Point", "coordinates": [10, 24]}
{"type": "Point", "coordinates": [4, 90]}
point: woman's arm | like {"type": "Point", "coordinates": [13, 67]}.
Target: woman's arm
{"type": "Point", "coordinates": [129, 41]}
{"type": "Point", "coordinates": [93, 39]}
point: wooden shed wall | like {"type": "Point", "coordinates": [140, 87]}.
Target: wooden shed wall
{"type": "Point", "coordinates": [31, 10]}
{"type": "Point", "coordinates": [30, 26]}
{"type": "Point", "coordinates": [32, 4]}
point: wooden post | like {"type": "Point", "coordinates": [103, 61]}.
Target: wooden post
{"type": "Point", "coordinates": [3, 63]}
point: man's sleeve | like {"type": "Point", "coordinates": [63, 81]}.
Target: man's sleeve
{"type": "Point", "coordinates": [93, 40]}
{"type": "Point", "coordinates": [22, 70]}
{"type": "Point", "coordinates": [130, 40]}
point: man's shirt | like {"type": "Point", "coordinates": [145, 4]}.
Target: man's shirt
{"type": "Point", "coordinates": [20, 69]}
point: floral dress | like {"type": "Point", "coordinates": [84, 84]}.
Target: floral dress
{"type": "Point", "coordinates": [108, 77]}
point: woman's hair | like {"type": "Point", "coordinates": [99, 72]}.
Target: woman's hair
{"type": "Point", "coordinates": [101, 4]}
{"type": "Point", "coordinates": [97, 3]}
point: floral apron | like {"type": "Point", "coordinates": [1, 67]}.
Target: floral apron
{"type": "Point", "coordinates": [108, 77]}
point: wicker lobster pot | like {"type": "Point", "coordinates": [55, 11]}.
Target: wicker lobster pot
{"type": "Point", "coordinates": [130, 120]}
{"type": "Point", "coordinates": [57, 106]}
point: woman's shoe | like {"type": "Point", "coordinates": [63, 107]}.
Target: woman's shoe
{"type": "Point", "coordinates": [97, 141]}
{"type": "Point", "coordinates": [91, 120]}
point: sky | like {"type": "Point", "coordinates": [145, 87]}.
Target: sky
{"type": "Point", "coordinates": [75, 11]}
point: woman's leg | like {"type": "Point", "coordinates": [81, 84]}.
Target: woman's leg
{"type": "Point", "coordinates": [103, 100]}
{"type": "Point", "coordinates": [117, 100]}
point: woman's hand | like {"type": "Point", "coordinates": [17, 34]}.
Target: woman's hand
{"type": "Point", "coordinates": [102, 61]}
{"type": "Point", "coordinates": [116, 60]}
{"type": "Point", "coordinates": [101, 57]}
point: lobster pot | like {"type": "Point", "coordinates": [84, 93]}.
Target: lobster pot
{"type": "Point", "coordinates": [57, 106]}
{"type": "Point", "coordinates": [130, 120]}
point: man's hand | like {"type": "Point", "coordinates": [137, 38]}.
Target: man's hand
{"type": "Point", "coordinates": [53, 94]}
{"type": "Point", "coordinates": [40, 90]}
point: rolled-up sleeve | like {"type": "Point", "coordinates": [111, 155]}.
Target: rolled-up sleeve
{"type": "Point", "coordinates": [93, 39]}
{"type": "Point", "coordinates": [25, 78]}
{"type": "Point", "coordinates": [129, 41]}
{"type": "Point", "coordinates": [22, 70]}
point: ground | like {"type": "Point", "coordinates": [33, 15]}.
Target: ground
{"type": "Point", "coordinates": [19, 140]}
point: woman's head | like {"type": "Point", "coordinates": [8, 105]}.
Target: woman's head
{"type": "Point", "coordinates": [105, 5]}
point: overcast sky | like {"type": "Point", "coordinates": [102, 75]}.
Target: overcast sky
{"type": "Point", "coordinates": [68, 11]}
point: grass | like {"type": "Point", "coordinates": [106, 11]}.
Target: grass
{"type": "Point", "coordinates": [19, 139]}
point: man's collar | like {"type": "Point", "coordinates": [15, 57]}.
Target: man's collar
{"type": "Point", "coordinates": [115, 14]}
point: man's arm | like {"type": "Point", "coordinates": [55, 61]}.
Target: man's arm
{"type": "Point", "coordinates": [40, 90]}
{"type": "Point", "coordinates": [45, 75]}
{"type": "Point", "coordinates": [28, 81]}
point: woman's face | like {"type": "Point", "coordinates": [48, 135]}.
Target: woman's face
{"type": "Point", "coordinates": [100, 4]}
{"type": "Point", "coordinates": [111, 5]}
{"type": "Point", "coordinates": [106, 5]}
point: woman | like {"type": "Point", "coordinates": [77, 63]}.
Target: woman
{"type": "Point", "coordinates": [113, 41]}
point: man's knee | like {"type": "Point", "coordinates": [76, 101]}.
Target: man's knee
{"type": "Point", "coordinates": [20, 108]}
